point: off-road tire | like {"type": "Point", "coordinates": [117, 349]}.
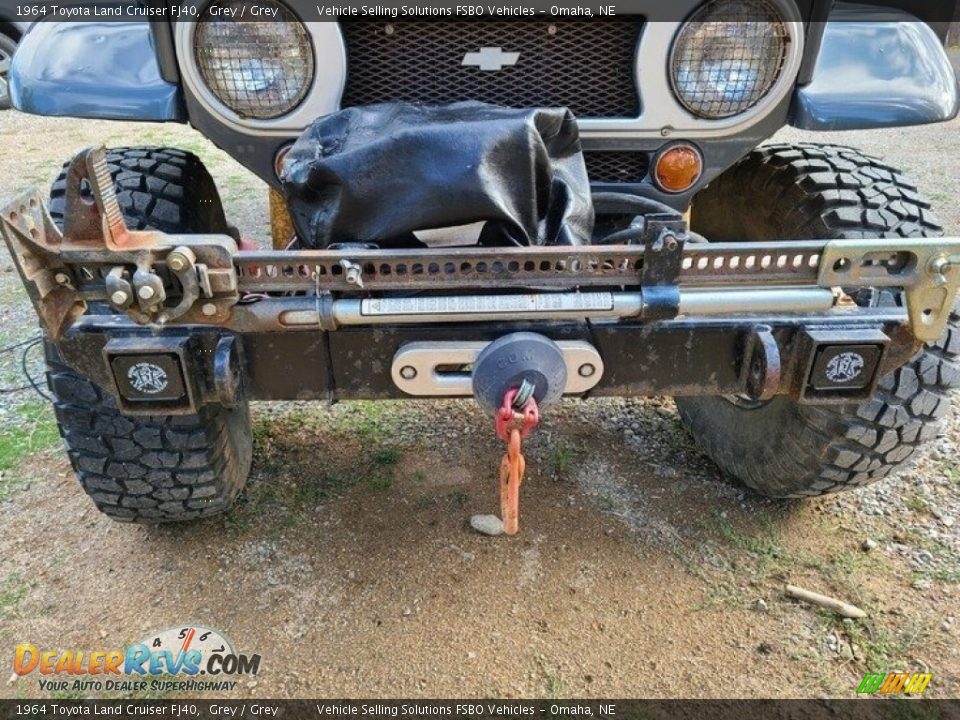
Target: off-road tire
{"type": "Point", "coordinates": [782, 448]}
{"type": "Point", "coordinates": [158, 189]}
{"type": "Point", "coordinates": [159, 468]}
{"type": "Point", "coordinates": [8, 45]}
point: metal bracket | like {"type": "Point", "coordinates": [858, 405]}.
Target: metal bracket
{"type": "Point", "coordinates": [927, 269]}
{"type": "Point", "coordinates": [98, 257]}
{"type": "Point", "coordinates": [441, 369]}
{"type": "Point", "coordinates": [660, 277]}
{"type": "Point", "coordinates": [760, 369]}
{"type": "Point", "coordinates": [34, 243]}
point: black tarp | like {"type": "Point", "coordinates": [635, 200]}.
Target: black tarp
{"type": "Point", "coordinates": [378, 173]}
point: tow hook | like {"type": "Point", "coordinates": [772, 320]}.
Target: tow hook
{"type": "Point", "coordinates": [527, 371]}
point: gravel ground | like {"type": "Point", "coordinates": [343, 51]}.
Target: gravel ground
{"type": "Point", "coordinates": [640, 571]}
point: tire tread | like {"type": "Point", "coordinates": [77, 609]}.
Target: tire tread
{"type": "Point", "coordinates": [824, 191]}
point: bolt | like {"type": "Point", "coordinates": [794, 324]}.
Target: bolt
{"type": "Point", "coordinates": [146, 292]}
{"type": "Point", "coordinates": [942, 265]}
{"type": "Point", "coordinates": [671, 243]}
{"type": "Point", "coordinates": [408, 372]}
{"type": "Point", "coordinates": [176, 262]}
{"type": "Point", "coordinates": [209, 309]}
{"type": "Point", "coordinates": [119, 297]}
{"type": "Point", "coordinates": [61, 278]}
{"type": "Point", "coordinates": [587, 370]}
{"type": "Point", "coordinates": [352, 273]}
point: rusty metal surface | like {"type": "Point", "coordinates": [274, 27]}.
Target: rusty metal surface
{"type": "Point", "coordinates": [97, 221]}
{"type": "Point", "coordinates": [98, 257]}
{"type": "Point", "coordinates": [543, 267]}
{"type": "Point", "coordinates": [34, 244]}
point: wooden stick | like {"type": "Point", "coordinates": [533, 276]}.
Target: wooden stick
{"type": "Point", "coordinates": [832, 604]}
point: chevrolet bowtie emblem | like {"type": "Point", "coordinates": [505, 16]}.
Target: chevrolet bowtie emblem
{"type": "Point", "coordinates": [492, 58]}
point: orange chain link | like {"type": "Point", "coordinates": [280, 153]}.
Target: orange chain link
{"type": "Point", "coordinates": [512, 468]}
{"type": "Point", "coordinates": [512, 426]}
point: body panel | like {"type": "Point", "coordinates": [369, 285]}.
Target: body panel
{"type": "Point", "coordinates": [877, 68]}
{"type": "Point", "coordinates": [106, 70]}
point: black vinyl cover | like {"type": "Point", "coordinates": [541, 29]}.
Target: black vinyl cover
{"type": "Point", "coordinates": [376, 174]}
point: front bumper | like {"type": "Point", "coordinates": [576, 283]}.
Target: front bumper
{"type": "Point", "coordinates": [659, 317]}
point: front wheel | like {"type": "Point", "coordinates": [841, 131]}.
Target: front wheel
{"type": "Point", "coordinates": [782, 448]}
{"type": "Point", "coordinates": [160, 468]}
{"type": "Point", "coordinates": [8, 46]}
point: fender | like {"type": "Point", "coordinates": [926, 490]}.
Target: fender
{"type": "Point", "coordinates": [105, 70]}
{"type": "Point", "coordinates": [877, 68]}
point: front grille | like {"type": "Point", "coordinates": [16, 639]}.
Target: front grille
{"type": "Point", "coordinates": [586, 66]}
{"type": "Point", "coordinates": [615, 166]}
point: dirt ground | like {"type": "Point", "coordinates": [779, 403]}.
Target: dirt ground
{"type": "Point", "coordinates": [348, 564]}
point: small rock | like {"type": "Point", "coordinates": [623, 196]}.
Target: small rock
{"type": "Point", "coordinates": [487, 524]}
{"type": "Point", "coordinates": [869, 544]}
{"type": "Point", "coordinates": [921, 584]}
{"type": "Point", "coordinates": [832, 642]}
{"type": "Point", "coordinates": [252, 684]}
{"type": "Point", "coordinates": [103, 633]}
{"type": "Point", "coordinates": [407, 612]}
{"type": "Point", "coordinates": [760, 605]}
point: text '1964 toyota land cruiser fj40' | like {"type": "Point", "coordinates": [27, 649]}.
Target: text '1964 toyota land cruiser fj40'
{"type": "Point", "coordinates": [465, 202]}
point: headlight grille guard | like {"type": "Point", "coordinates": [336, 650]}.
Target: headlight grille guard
{"type": "Point", "coordinates": [210, 282]}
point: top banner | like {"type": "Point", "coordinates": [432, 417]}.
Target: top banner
{"type": "Point", "coordinates": [327, 10]}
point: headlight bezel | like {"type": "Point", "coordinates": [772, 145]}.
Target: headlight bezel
{"type": "Point", "coordinates": [246, 47]}
{"type": "Point", "coordinates": [726, 108]}
{"type": "Point", "coordinates": [323, 96]}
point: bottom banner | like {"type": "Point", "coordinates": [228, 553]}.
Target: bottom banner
{"type": "Point", "coordinates": [892, 709]}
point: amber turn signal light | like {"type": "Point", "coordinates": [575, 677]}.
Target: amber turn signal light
{"type": "Point", "coordinates": [678, 168]}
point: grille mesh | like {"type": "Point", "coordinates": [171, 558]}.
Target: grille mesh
{"type": "Point", "coordinates": [616, 167]}
{"type": "Point", "coordinates": [586, 66]}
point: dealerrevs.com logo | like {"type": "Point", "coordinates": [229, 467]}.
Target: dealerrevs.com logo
{"type": "Point", "coordinates": [204, 657]}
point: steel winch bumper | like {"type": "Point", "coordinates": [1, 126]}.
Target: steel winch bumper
{"type": "Point", "coordinates": [663, 316]}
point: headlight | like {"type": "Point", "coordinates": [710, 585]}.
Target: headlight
{"type": "Point", "coordinates": [727, 57]}
{"type": "Point", "coordinates": [257, 69]}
